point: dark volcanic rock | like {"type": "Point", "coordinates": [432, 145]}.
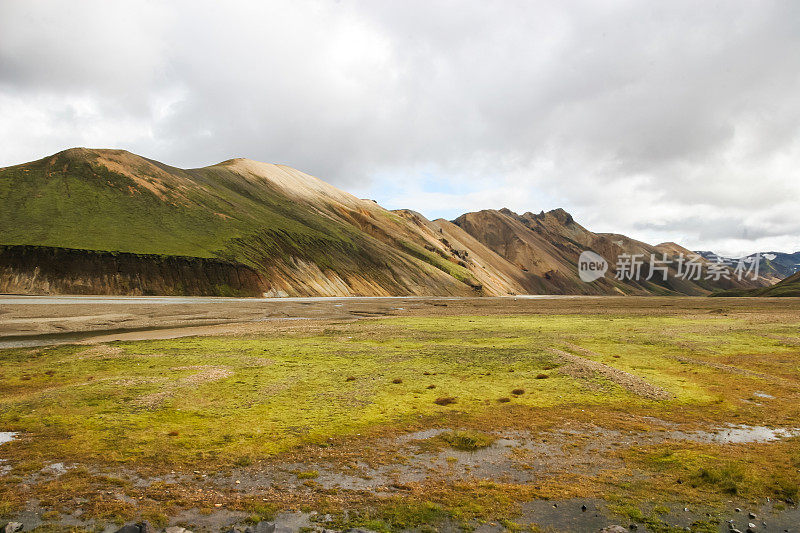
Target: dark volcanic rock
{"type": "Point", "coordinates": [45, 270]}
{"type": "Point", "coordinates": [141, 527]}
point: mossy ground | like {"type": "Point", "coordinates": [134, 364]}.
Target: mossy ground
{"type": "Point", "coordinates": [227, 402]}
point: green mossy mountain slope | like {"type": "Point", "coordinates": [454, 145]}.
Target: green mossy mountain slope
{"type": "Point", "coordinates": [73, 199]}
{"type": "Point", "coordinates": [288, 225]}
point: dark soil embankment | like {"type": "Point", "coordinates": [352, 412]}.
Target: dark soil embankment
{"type": "Point", "coordinates": [46, 270]}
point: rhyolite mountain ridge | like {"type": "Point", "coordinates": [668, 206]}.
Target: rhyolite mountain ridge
{"type": "Point", "coordinates": [772, 265]}
{"type": "Point", "coordinates": [86, 221]}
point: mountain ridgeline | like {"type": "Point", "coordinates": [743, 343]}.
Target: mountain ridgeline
{"type": "Point", "coordinates": [772, 265]}
{"type": "Point", "coordinates": [110, 222]}
{"type": "Point", "coordinates": [786, 287]}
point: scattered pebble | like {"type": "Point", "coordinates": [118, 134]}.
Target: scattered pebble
{"type": "Point", "coordinates": [176, 529]}
{"type": "Point", "coordinates": [614, 529]}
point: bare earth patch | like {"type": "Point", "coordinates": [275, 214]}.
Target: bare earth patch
{"type": "Point", "coordinates": [208, 374]}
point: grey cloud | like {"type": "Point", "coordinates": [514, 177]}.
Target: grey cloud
{"type": "Point", "coordinates": [641, 109]}
{"type": "Point", "coordinates": [711, 229]}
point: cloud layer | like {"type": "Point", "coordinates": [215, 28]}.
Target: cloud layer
{"type": "Point", "coordinates": [662, 120]}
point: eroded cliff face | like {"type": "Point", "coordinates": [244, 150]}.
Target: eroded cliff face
{"type": "Point", "coordinates": [46, 270]}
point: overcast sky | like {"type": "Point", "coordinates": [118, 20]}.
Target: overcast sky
{"type": "Point", "coordinates": [662, 120]}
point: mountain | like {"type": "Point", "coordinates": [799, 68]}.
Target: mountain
{"type": "Point", "coordinates": [304, 236]}
{"type": "Point", "coordinates": [787, 287]}
{"type": "Point", "coordinates": [547, 246]}
{"type": "Point", "coordinates": [109, 221]}
{"type": "Point", "coordinates": [773, 266]}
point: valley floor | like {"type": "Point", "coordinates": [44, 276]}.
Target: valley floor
{"type": "Point", "coordinates": [565, 414]}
